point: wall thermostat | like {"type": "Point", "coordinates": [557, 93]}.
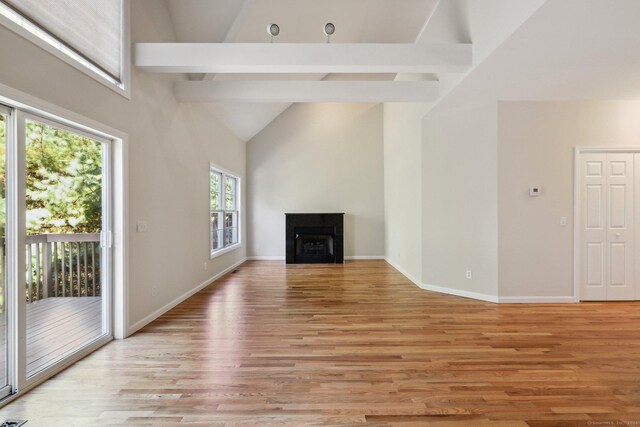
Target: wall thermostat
{"type": "Point", "coordinates": [534, 191]}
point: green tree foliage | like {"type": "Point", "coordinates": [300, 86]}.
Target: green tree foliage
{"type": "Point", "coordinates": [214, 186]}
{"type": "Point", "coordinates": [64, 181]}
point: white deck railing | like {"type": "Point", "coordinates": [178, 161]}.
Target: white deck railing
{"type": "Point", "coordinates": [62, 265]}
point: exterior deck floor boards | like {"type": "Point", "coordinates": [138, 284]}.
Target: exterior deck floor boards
{"type": "Point", "coordinates": [57, 326]}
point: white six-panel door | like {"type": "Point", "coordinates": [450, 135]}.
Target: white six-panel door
{"type": "Point", "coordinates": [607, 241]}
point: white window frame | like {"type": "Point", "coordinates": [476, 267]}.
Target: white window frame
{"type": "Point", "coordinates": [35, 34]}
{"type": "Point", "coordinates": [238, 205]}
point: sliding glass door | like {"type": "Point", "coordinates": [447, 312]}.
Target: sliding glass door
{"type": "Point", "coordinates": [55, 293]}
{"type": "Point", "coordinates": [65, 219]}
{"type": "Point", "coordinates": [5, 388]}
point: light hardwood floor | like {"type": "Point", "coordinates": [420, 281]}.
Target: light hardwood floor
{"type": "Point", "coordinates": [353, 345]}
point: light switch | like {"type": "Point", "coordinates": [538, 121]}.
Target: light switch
{"type": "Point", "coordinates": [142, 227]}
{"type": "Point", "coordinates": [563, 221]}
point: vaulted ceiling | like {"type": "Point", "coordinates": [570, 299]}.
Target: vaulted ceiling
{"type": "Point", "coordinates": [485, 23]}
{"type": "Point", "coordinates": [300, 21]}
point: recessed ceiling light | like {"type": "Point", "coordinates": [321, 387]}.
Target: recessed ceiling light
{"type": "Point", "coordinates": [273, 30]}
{"type": "Point", "coordinates": [329, 29]}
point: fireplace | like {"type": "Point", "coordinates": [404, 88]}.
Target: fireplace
{"type": "Point", "coordinates": [314, 238]}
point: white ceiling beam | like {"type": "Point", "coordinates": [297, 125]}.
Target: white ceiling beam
{"type": "Point", "coordinates": [302, 58]}
{"type": "Point", "coordinates": [279, 91]}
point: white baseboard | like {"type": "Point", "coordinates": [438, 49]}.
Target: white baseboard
{"type": "Point", "coordinates": [347, 258]}
{"type": "Point", "coordinates": [404, 272]}
{"type": "Point", "coordinates": [537, 300]}
{"type": "Point", "coordinates": [362, 257]}
{"type": "Point", "coordinates": [483, 297]}
{"type": "Point", "coordinates": [460, 293]}
{"type": "Point", "coordinates": [162, 310]}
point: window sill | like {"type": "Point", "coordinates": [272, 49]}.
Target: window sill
{"type": "Point", "coordinates": [225, 250]}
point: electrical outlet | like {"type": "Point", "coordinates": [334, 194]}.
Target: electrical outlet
{"type": "Point", "coordinates": [206, 265]}
{"type": "Point", "coordinates": [468, 274]}
{"type": "Point", "coordinates": [563, 221]}
{"type": "Point", "coordinates": [154, 291]}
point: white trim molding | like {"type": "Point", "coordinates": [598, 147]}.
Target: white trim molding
{"type": "Point", "coordinates": [484, 297]}
{"type": "Point", "coordinates": [537, 300]}
{"type": "Point", "coordinates": [265, 258]}
{"type": "Point", "coordinates": [162, 310]}
{"type": "Point", "coordinates": [224, 250]}
{"type": "Point", "coordinates": [346, 258]}
{"type": "Point", "coordinates": [442, 289]}
{"type": "Point", "coordinates": [404, 272]}
{"type": "Point", "coordinates": [460, 293]}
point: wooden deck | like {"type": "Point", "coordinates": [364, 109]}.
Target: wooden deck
{"type": "Point", "coordinates": [353, 344]}
{"type": "Point", "coordinates": [57, 326]}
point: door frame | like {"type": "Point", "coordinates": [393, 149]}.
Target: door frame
{"type": "Point", "coordinates": [18, 100]}
{"type": "Point", "coordinates": [18, 197]}
{"type": "Point", "coordinates": [577, 212]}
{"type": "Point", "coordinates": [9, 292]}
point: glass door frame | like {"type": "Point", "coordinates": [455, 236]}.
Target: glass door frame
{"type": "Point", "coordinates": [11, 326]}
{"type": "Point", "coordinates": [16, 257]}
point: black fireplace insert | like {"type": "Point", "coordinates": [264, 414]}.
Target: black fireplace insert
{"type": "Point", "coordinates": [314, 238]}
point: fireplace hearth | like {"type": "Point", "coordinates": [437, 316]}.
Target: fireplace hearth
{"type": "Point", "coordinates": [314, 238]}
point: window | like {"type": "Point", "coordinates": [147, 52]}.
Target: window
{"type": "Point", "coordinates": [90, 35]}
{"type": "Point", "coordinates": [224, 208]}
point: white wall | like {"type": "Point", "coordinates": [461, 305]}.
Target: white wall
{"type": "Point", "coordinates": [170, 146]}
{"type": "Point", "coordinates": [536, 141]}
{"type": "Point", "coordinates": [459, 200]}
{"type": "Point", "coordinates": [421, 238]}
{"type": "Point", "coordinates": [403, 187]}
{"type": "Point", "coordinates": [566, 50]}
{"type": "Point", "coordinates": [318, 158]}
